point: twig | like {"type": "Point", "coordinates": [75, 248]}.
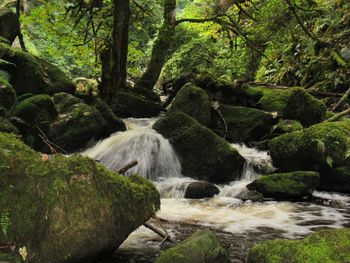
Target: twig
{"type": "Point", "coordinates": [127, 167]}
{"type": "Point", "coordinates": [46, 140]}
{"type": "Point", "coordinates": [341, 101]}
{"type": "Point", "coordinates": [339, 115]}
{"type": "Point", "coordinates": [155, 230]}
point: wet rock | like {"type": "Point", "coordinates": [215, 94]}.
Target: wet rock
{"type": "Point", "coordinates": [194, 102]}
{"type": "Point", "coordinates": [254, 196]}
{"type": "Point", "coordinates": [318, 147]}
{"type": "Point", "coordinates": [7, 95]}
{"type": "Point", "coordinates": [326, 246]}
{"type": "Point", "coordinates": [65, 209]}
{"type": "Point", "coordinates": [201, 247]}
{"type": "Point", "coordinates": [34, 75]}
{"type": "Point", "coordinates": [198, 190]}
{"type": "Point", "coordinates": [336, 179]}
{"type": "Point", "coordinates": [293, 103]}
{"type": "Point", "coordinates": [203, 154]}
{"type": "Point", "coordinates": [286, 186]}
{"type": "Point", "coordinates": [132, 105]}
{"type": "Point", "coordinates": [243, 124]}
{"type": "Point", "coordinates": [9, 24]}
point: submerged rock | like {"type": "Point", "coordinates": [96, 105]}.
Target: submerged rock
{"type": "Point", "coordinates": [65, 209]}
{"type": "Point", "coordinates": [203, 154]}
{"type": "Point", "coordinates": [133, 105]}
{"type": "Point", "coordinates": [194, 102]}
{"type": "Point", "coordinates": [286, 186]}
{"type": "Point", "coordinates": [201, 247]}
{"type": "Point", "coordinates": [331, 245]}
{"type": "Point", "coordinates": [245, 124]}
{"type": "Point", "coordinates": [293, 103]}
{"type": "Point", "coordinates": [198, 190]}
{"type": "Point", "coordinates": [9, 24]}
{"type": "Point", "coordinates": [34, 75]}
{"type": "Point", "coordinates": [320, 146]}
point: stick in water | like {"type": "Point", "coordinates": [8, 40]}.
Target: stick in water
{"type": "Point", "coordinates": [127, 167]}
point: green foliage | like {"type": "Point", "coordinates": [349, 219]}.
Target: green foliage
{"type": "Point", "coordinates": [5, 221]}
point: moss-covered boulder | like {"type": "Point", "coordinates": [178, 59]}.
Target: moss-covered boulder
{"type": "Point", "coordinates": [243, 124]}
{"type": "Point", "coordinates": [147, 94]}
{"type": "Point", "coordinates": [75, 126]}
{"type": "Point", "coordinates": [130, 104]}
{"type": "Point", "coordinates": [34, 75]}
{"type": "Point", "coordinates": [336, 179]}
{"type": "Point", "coordinates": [331, 245]}
{"type": "Point", "coordinates": [64, 209]}
{"type": "Point", "coordinates": [203, 154]}
{"type": "Point", "coordinates": [9, 24]}
{"type": "Point", "coordinates": [293, 103]}
{"type": "Point", "coordinates": [287, 126]}
{"type": "Point", "coordinates": [194, 102]}
{"type": "Point", "coordinates": [317, 147]}
{"type": "Point", "coordinates": [38, 110]}
{"type": "Point", "coordinates": [7, 126]}
{"type": "Point", "coordinates": [201, 247]}
{"type": "Point", "coordinates": [286, 186]}
{"type": "Point", "coordinates": [7, 94]}
{"type": "Point", "coordinates": [65, 100]}
{"type": "Point", "coordinates": [198, 190]}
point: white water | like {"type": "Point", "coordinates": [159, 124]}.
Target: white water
{"type": "Point", "coordinates": [158, 162]}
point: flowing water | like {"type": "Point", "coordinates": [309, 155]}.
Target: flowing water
{"type": "Point", "coordinates": [238, 224]}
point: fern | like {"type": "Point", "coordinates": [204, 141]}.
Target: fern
{"type": "Point", "coordinates": [5, 221]}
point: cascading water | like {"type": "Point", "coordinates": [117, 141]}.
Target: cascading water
{"type": "Point", "coordinates": [224, 213]}
{"type": "Point", "coordinates": [154, 154]}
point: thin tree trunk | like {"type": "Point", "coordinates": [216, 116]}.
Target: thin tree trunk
{"type": "Point", "coordinates": [114, 59]}
{"type": "Point", "coordinates": [20, 35]}
{"type": "Point", "coordinates": [161, 47]}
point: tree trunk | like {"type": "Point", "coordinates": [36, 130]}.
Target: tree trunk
{"type": "Point", "coordinates": [161, 47]}
{"type": "Point", "coordinates": [114, 59]}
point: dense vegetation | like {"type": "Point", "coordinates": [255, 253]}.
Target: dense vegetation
{"type": "Point", "coordinates": [274, 74]}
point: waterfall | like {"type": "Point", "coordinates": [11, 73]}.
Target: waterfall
{"type": "Point", "coordinates": [154, 154]}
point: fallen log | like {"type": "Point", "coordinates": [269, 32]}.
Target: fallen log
{"type": "Point", "coordinates": [127, 167]}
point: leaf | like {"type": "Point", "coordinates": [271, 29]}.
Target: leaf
{"type": "Point", "coordinates": [329, 161]}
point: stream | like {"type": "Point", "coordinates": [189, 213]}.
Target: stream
{"type": "Point", "coordinates": [238, 224]}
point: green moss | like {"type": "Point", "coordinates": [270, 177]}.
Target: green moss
{"type": "Point", "coordinates": [320, 146]}
{"type": "Point", "coordinates": [132, 105]}
{"type": "Point", "coordinates": [9, 24]}
{"type": "Point", "coordinates": [7, 126]}
{"type": "Point", "coordinates": [7, 95]}
{"type": "Point", "coordinates": [246, 124]}
{"type": "Point", "coordinates": [201, 247]}
{"type": "Point", "coordinates": [202, 153]}
{"type": "Point", "coordinates": [323, 246]}
{"type": "Point", "coordinates": [287, 185]}
{"type": "Point", "coordinates": [34, 75]}
{"type": "Point", "coordinates": [294, 103]}
{"type": "Point", "coordinates": [194, 102]}
{"type": "Point", "coordinates": [37, 110]}
{"type": "Point", "coordinates": [65, 100]}
{"type": "Point", "coordinates": [75, 126]}
{"type": "Point", "coordinates": [67, 208]}
{"type": "Point", "coordinates": [287, 126]}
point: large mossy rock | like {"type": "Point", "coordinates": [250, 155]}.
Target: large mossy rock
{"type": "Point", "coordinates": [34, 75]}
{"type": "Point", "coordinates": [287, 186]}
{"type": "Point", "coordinates": [77, 123]}
{"type": "Point", "coordinates": [201, 247]}
{"type": "Point", "coordinates": [63, 209]}
{"type": "Point", "coordinates": [194, 102]}
{"type": "Point", "coordinates": [245, 124]}
{"type": "Point", "coordinates": [132, 105]}
{"type": "Point", "coordinates": [336, 179]}
{"type": "Point", "coordinates": [317, 147]}
{"type": "Point", "coordinates": [323, 246]}
{"type": "Point", "coordinates": [38, 110]}
{"type": "Point", "coordinates": [203, 154]}
{"type": "Point", "coordinates": [7, 94]}
{"type": "Point", "coordinates": [9, 24]}
{"type": "Point", "coordinates": [293, 103]}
